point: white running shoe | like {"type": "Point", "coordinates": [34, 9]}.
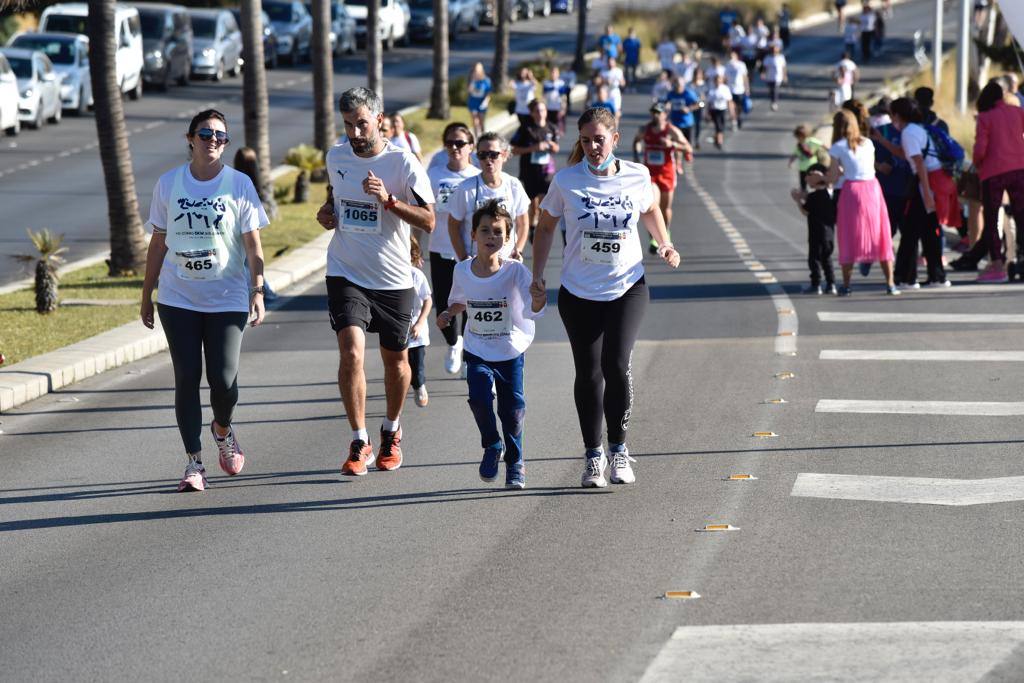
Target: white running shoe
{"type": "Point", "coordinates": [621, 471]}
{"type": "Point", "coordinates": [194, 479]}
{"type": "Point", "coordinates": [421, 396]}
{"type": "Point", "coordinates": [593, 473]}
{"type": "Point", "coordinates": [453, 358]}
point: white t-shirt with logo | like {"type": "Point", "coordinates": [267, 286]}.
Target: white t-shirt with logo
{"type": "Point", "coordinates": [474, 192]}
{"type": "Point", "coordinates": [229, 293]}
{"type": "Point", "coordinates": [774, 68]}
{"type": "Point", "coordinates": [603, 257]}
{"type": "Point", "coordinates": [370, 246]}
{"type": "Point", "coordinates": [736, 76]}
{"type": "Point", "coordinates": [500, 318]}
{"type": "Point", "coordinates": [444, 181]}
{"type": "Point", "coordinates": [858, 164]}
{"type": "Point", "coordinates": [422, 293]}
{"type": "Point", "coordinates": [525, 91]}
{"type": "Point", "coordinates": [914, 140]}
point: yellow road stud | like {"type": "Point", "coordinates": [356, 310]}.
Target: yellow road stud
{"type": "Point", "coordinates": [681, 595]}
{"type": "Point", "coordinates": [774, 401]}
{"type": "Point", "coordinates": [785, 375]}
{"type": "Point", "coordinates": [764, 435]}
{"type": "Point", "coordinates": [719, 527]}
{"type": "Point", "coordinates": [740, 477]}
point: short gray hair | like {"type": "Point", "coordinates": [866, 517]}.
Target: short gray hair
{"type": "Point", "coordinates": [491, 136]}
{"type": "Point", "coordinates": [353, 98]}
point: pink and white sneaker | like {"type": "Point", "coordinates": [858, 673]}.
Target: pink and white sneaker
{"type": "Point", "coordinates": [993, 276]}
{"type": "Point", "coordinates": [194, 479]}
{"type": "Point", "coordinates": [232, 460]}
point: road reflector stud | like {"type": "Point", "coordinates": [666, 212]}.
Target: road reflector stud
{"type": "Point", "coordinates": [681, 595]}
{"type": "Point", "coordinates": [786, 353]}
{"type": "Point", "coordinates": [719, 527]}
{"type": "Point", "coordinates": [774, 401]}
{"type": "Point", "coordinates": [764, 435]}
{"type": "Point", "coordinates": [784, 311]}
{"type": "Point", "coordinates": [787, 333]}
{"type": "Point", "coordinates": [785, 375]}
{"type": "Point", "coordinates": [741, 477]}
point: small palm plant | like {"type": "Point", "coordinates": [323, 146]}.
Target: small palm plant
{"type": "Point", "coordinates": [308, 159]}
{"type": "Point", "coordinates": [50, 255]}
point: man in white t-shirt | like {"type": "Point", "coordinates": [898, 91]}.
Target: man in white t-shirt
{"type": "Point", "coordinates": [737, 77]}
{"type": "Point", "coordinates": [378, 191]}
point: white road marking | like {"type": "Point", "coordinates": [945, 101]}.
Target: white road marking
{"type": "Point", "coordinates": [915, 490]}
{"type": "Point", "coordinates": [938, 318]}
{"type": "Point", "coordinates": [896, 354]}
{"type": "Point", "coordinates": [965, 408]}
{"type": "Point", "coordinates": [898, 652]}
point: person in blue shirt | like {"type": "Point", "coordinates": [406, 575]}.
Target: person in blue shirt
{"type": "Point", "coordinates": [602, 100]}
{"type": "Point", "coordinates": [726, 18]}
{"type": "Point", "coordinates": [479, 87]}
{"type": "Point", "coordinates": [631, 49]}
{"type": "Point", "coordinates": [682, 102]}
{"type": "Point", "coordinates": [610, 43]}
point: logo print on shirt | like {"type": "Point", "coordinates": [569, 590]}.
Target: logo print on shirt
{"type": "Point", "coordinates": [188, 207]}
{"type": "Point", "coordinates": [341, 173]}
{"type": "Point", "coordinates": [608, 210]}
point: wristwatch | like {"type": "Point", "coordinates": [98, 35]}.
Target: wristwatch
{"type": "Point", "coordinates": [392, 200]}
{"type": "Point", "coordinates": [255, 290]}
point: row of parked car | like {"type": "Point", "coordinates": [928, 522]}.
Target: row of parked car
{"type": "Point", "coordinates": [45, 73]}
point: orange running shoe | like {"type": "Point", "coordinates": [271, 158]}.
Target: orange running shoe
{"type": "Point", "coordinates": [360, 456]}
{"type": "Point", "coordinates": [389, 456]}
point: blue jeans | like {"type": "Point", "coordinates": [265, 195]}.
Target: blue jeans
{"type": "Point", "coordinates": [507, 379]}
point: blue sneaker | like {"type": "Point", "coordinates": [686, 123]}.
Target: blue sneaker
{"type": "Point", "coordinates": [491, 460]}
{"type": "Point", "coordinates": [515, 477]}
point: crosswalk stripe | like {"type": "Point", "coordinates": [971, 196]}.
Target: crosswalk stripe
{"type": "Point", "coordinates": [913, 490]}
{"type": "Point", "coordinates": [921, 355]}
{"type": "Point", "coordinates": [910, 318]}
{"type": "Point", "coordinates": [969, 408]}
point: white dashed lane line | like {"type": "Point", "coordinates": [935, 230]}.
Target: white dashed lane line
{"type": "Point", "coordinates": [916, 318]}
{"type": "Point", "coordinates": [962, 408]}
{"type": "Point", "coordinates": [915, 355]}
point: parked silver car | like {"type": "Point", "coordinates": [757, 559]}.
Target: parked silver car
{"type": "Point", "coordinates": [294, 28]}
{"type": "Point", "coordinates": [216, 43]}
{"type": "Point", "coordinates": [69, 54]}
{"type": "Point", "coordinates": [38, 86]}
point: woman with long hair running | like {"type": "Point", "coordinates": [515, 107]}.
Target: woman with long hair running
{"type": "Point", "coordinates": [603, 296]}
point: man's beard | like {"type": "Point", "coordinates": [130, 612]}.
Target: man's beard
{"type": "Point", "coordinates": [365, 145]}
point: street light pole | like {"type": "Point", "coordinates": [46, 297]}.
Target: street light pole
{"type": "Point", "coordinates": [937, 47]}
{"type": "Point", "coordinates": [963, 55]}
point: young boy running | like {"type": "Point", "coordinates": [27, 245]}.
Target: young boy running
{"type": "Point", "coordinates": [419, 333]}
{"type": "Point", "coordinates": [501, 304]}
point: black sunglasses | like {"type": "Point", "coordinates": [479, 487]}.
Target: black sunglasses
{"type": "Point", "coordinates": [457, 144]}
{"type": "Point", "coordinates": [207, 134]}
{"type": "Point", "coordinates": [488, 155]}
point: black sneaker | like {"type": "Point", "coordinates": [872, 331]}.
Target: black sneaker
{"type": "Point", "coordinates": [490, 462]}
{"type": "Point", "coordinates": [962, 265]}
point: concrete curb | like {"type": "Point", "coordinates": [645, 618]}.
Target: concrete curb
{"type": "Point", "coordinates": [49, 372]}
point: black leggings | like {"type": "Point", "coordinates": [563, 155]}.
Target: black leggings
{"type": "Point", "coordinates": [441, 272]}
{"type": "Point", "coordinates": [602, 334]}
{"type": "Point", "coordinates": [190, 336]}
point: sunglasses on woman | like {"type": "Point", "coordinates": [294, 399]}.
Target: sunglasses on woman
{"type": "Point", "coordinates": [207, 134]}
{"type": "Point", "coordinates": [457, 144]}
{"type": "Point", "coordinates": [488, 155]}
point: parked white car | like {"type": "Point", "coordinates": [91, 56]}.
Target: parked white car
{"type": "Point", "coordinates": [69, 55]}
{"type": "Point", "coordinates": [216, 43]}
{"type": "Point", "coordinates": [38, 86]}
{"type": "Point", "coordinates": [9, 121]}
{"type": "Point", "coordinates": [71, 18]}
{"type": "Point", "coordinates": [294, 26]}
{"type": "Point", "coordinates": [393, 25]}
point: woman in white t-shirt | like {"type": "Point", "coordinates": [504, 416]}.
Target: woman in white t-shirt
{"type": "Point", "coordinates": [445, 178]}
{"type": "Point", "coordinates": [603, 294]}
{"type": "Point", "coordinates": [721, 104]}
{"type": "Point", "coordinates": [402, 138]}
{"type": "Point", "coordinates": [525, 89]}
{"type": "Point", "coordinates": [615, 79]}
{"type": "Point", "coordinates": [207, 257]}
{"type": "Point", "coordinates": [774, 74]}
{"type": "Point", "coordinates": [863, 231]}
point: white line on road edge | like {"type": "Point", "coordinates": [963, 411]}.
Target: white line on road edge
{"type": "Point", "coordinates": [914, 490]}
{"type": "Point", "coordinates": [938, 651]}
{"type": "Point", "coordinates": [893, 354]}
{"type": "Point", "coordinates": [908, 318]}
{"type": "Point", "coordinates": [966, 408]}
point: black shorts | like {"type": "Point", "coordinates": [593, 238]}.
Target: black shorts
{"type": "Point", "coordinates": [536, 184]}
{"type": "Point", "coordinates": [385, 312]}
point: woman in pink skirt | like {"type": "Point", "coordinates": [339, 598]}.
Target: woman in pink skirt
{"type": "Point", "coordinates": [862, 221]}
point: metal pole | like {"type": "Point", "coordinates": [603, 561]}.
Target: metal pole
{"type": "Point", "coordinates": [937, 47]}
{"type": "Point", "coordinates": [963, 55]}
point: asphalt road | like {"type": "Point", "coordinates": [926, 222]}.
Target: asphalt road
{"type": "Point", "coordinates": [289, 572]}
{"type": "Point", "coordinates": [51, 178]}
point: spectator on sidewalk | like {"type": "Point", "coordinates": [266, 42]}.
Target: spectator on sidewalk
{"type": "Point", "coordinates": [893, 172]}
{"type": "Point", "coordinates": [925, 98]}
{"type": "Point", "coordinates": [868, 24]}
{"type": "Point", "coordinates": [816, 203]}
{"type": "Point", "coordinates": [782, 22]}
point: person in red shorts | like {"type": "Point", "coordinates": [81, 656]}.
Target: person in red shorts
{"type": "Point", "coordinates": [663, 149]}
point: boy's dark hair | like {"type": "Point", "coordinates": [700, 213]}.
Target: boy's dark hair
{"type": "Point", "coordinates": [820, 168]}
{"type": "Point", "coordinates": [493, 209]}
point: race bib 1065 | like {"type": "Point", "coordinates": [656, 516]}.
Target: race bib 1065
{"type": "Point", "coordinates": [358, 216]}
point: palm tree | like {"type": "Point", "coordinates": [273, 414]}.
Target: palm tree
{"type": "Point", "coordinates": [49, 255]}
{"type": "Point", "coordinates": [374, 58]}
{"type": "Point", "coordinates": [440, 107]}
{"type": "Point", "coordinates": [578, 63]}
{"type": "Point", "coordinates": [127, 239]}
{"type": "Point", "coordinates": [255, 102]}
{"type": "Point", "coordinates": [323, 76]}
{"type": "Point", "coordinates": [502, 20]}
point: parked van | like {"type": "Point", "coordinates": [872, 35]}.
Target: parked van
{"type": "Point", "coordinates": [71, 18]}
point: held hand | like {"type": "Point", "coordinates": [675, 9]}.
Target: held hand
{"type": "Point", "coordinates": [257, 311]}
{"type": "Point", "coordinates": [539, 290]}
{"type": "Point", "coordinates": [417, 330]}
{"type": "Point", "coordinates": [669, 255]}
{"type": "Point", "coordinates": [146, 312]}
{"type": "Point", "coordinates": [325, 216]}
{"type": "Point", "coordinates": [374, 187]}
{"type": "Point", "coordinates": [516, 255]}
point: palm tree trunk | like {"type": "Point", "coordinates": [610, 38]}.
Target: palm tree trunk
{"type": "Point", "coordinates": [323, 77]}
{"type": "Point", "coordinates": [440, 107]}
{"type": "Point", "coordinates": [499, 71]}
{"type": "Point", "coordinates": [255, 103]}
{"type": "Point", "coordinates": [127, 239]}
{"type": "Point", "coordinates": [374, 59]}
{"type": "Point", "coordinates": [579, 62]}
